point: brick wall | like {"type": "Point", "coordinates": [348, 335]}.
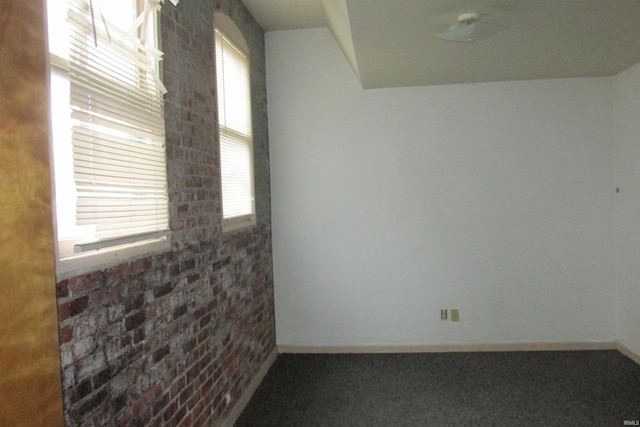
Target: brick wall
{"type": "Point", "coordinates": [175, 338]}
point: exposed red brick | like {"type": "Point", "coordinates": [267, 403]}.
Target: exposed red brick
{"type": "Point", "coordinates": [82, 285]}
{"type": "Point", "coordinates": [179, 415]}
{"type": "Point", "coordinates": [134, 303]}
{"type": "Point", "coordinates": [78, 305]}
{"type": "Point", "coordinates": [62, 289]}
{"type": "Point", "coordinates": [134, 320]}
{"type": "Point", "coordinates": [168, 335]}
{"type": "Point", "coordinates": [104, 296]}
{"type": "Point", "coordinates": [160, 404]}
{"type": "Point", "coordinates": [64, 311]}
{"type": "Point", "coordinates": [126, 341]}
{"type": "Point", "coordinates": [160, 354]}
{"type": "Point", "coordinates": [139, 335]}
{"type": "Point", "coordinates": [179, 311]}
{"type": "Point", "coordinates": [186, 421]}
{"type": "Point", "coordinates": [65, 334]}
{"type": "Point", "coordinates": [169, 411]}
{"type": "Point", "coordinates": [162, 290]}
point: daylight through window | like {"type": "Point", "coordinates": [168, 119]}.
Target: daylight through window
{"type": "Point", "coordinates": [108, 126]}
{"type": "Point", "coordinates": [234, 118]}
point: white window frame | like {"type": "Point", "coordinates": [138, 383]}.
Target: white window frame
{"type": "Point", "coordinates": [77, 256]}
{"type": "Point", "coordinates": [224, 27]}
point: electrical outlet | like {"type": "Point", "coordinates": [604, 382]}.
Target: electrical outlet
{"type": "Point", "coordinates": [443, 314]}
{"type": "Point", "coordinates": [455, 315]}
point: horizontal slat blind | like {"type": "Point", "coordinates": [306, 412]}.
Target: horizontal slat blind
{"type": "Point", "coordinates": [234, 116]}
{"type": "Point", "coordinates": [118, 132]}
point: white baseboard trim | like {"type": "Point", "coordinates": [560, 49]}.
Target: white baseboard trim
{"type": "Point", "coordinates": [450, 348]}
{"type": "Point", "coordinates": [628, 352]}
{"type": "Point", "coordinates": [248, 393]}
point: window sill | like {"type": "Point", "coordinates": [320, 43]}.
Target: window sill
{"type": "Point", "coordinates": [235, 224]}
{"type": "Point", "coordinates": [108, 257]}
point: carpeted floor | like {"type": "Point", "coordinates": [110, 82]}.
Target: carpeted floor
{"type": "Point", "coordinates": [573, 388]}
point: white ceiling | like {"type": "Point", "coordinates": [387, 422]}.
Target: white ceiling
{"type": "Point", "coordinates": [275, 15]}
{"type": "Point", "coordinates": [391, 43]}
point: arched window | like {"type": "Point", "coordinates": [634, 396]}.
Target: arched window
{"type": "Point", "coordinates": [234, 125]}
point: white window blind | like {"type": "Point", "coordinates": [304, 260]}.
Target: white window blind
{"type": "Point", "coordinates": [116, 117]}
{"type": "Point", "coordinates": [234, 117]}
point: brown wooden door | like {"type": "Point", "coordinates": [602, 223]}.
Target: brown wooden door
{"type": "Point", "coordinates": [30, 385]}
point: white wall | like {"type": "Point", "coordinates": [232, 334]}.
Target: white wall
{"type": "Point", "coordinates": [390, 204]}
{"type": "Point", "coordinates": [626, 115]}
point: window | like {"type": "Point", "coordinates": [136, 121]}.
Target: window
{"type": "Point", "coordinates": [108, 137]}
{"type": "Point", "coordinates": [234, 121]}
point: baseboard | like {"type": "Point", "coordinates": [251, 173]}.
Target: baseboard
{"type": "Point", "coordinates": [246, 396]}
{"type": "Point", "coordinates": [628, 352]}
{"type": "Point", "coordinates": [450, 348]}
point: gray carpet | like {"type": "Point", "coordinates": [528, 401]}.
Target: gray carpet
{"type": "Point", "coordinates": [590, 388]}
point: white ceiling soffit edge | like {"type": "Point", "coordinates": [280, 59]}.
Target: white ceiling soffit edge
{"type": "Point", "coordinates": [282, 15]}
{"type": "Point", "coordinates": [337, 14]}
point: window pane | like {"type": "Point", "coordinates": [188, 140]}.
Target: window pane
{"type": "Point", "coordinates": [108, 128]}
{"type": "Point", "coordinates": [121, 13]}
{"type": "Point", "coordinates": [58, 34]}
{"type": "Point", "coordinates": [237, 186]}
{"type": "Point", "coordinates": [234, 116]}
{"type": "Point", "coordinates": [233, 88]}
{"type": "Point", "coordinates": [66, 196]}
